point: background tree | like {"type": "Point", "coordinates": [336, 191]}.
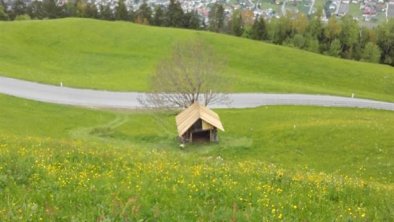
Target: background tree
{"type": "Point", "coordinates": [216, 18]}
{"type": "Point", "coordinates": [281, 29]}
{"type": "Point", "coordinates": [91, 11]}
{"type": "Point", "coordinates": [331, 33]}
{"type": "Point", "coordinates": [247, 17]}
{"type": "Point", "coordinates": [18, 8]}
{"type": "Point", "coordinates": [121, 11]}
{"type": "Point", "coordinates": [298, 41]}
{"type": "Point", "coordinates": [367, 35]}
{"type": "Point", "coordinates": [175, 14]}
{"type": "Point", "coordinates": [312, 44]}
{"type": "Point", "coordinates": [3, 14]}
{"type": "Point", "coordinates": [236, 24]}
{"type": "Point", "coordinates": [191, 73]}
{"type": "Point", "coordinates": [314, 32]}
{"type": "Point", "coordinates": [385, 41]}
{"type": "Point", "coordinates": [106, 12]}
{"type": "Point", "coordinates": [80, 7]}
{"type": "Point", "coordinates": [300, 23]}
{"type": "Point", "coordinates": [332, 29]}
{"type": "Point", "coordinates": [371, 53]}
{"type": "Point", "coordinates": [192, 20]}
{"type": "Point", "coordinates": [259, 29]}
{"type": "Point", "coordinates": [51, 8]}
{"type": "Point", "coordinates": [335, 48]}
{"type": "Point", "coordinates": [35, 10]}
{"type": "Point", "coordinates": [144, 14]}
{"type": "Point", "coordinates": [69, 10]}
{"type": "Point", "coordinates": [159, 18]}
{"type": "Point", "coordinates": [131, 13]}
{"type": "Point", "coordinates": [349, 36]}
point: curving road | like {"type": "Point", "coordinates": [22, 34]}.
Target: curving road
{"type": "Point", "coordinates": [128, 100]}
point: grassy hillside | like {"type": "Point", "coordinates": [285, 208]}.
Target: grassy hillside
{"type": "Point", "coordinates": [122, 56]}
{"type": "Point", "coordinates": [62, 163]}
{"type": "Point", "coordinates": [61, 181]}
{"type": "Point", "coordinates": [352, 142]}
{"type": "Point", "coordinates": [26, 118]}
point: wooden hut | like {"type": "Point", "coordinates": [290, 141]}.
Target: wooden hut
{"type": "Point", "coordinates": [197, 123]}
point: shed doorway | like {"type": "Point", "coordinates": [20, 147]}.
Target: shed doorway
{"type": "Point", "coordinates": [201, 136]}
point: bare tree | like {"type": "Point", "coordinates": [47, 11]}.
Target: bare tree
{"type": "Point", "coordinates": [191, 73]}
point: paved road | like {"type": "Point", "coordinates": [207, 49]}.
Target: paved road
{"type": "Point", "coordinates": [128, 100]}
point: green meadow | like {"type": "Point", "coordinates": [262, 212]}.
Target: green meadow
{"type": "Point", "coordinates": [272, 164]}
{"type": "Point", "coordinates": [122, 56]}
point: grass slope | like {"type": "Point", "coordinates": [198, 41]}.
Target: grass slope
{"type": "Point", "coordinates": [352, 142]}
{"type": "Point", "coordinates": [272, 164]}
{"type": "Point", "coordinates": [26, 118]}
{"type": "Point", "coordinates": [46, 180]}
{"type": "Point", "coordinates": [122, 56]}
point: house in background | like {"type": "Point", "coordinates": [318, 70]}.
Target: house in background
{"type": "Point", "coordinates": [390, 10]}
{"type": "Point", "coordinates": [342, 9]}
{"type": "Point", "coordinates": [198, 123]}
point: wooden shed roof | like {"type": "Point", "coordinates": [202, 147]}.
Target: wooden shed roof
{"type": "Point", "coordinates": [190, 115]}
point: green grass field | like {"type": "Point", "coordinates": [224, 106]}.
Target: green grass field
{"type": "Point", "coordinates": [272, 164]}
{"type": "Point", "coordinates": [122, 56]}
